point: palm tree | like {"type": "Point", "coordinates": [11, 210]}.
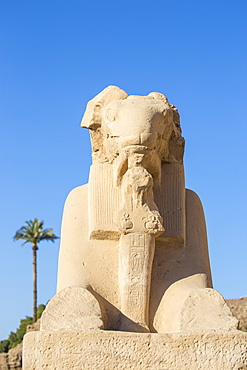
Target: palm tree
{"type": "Point", "coordinates": [33, 232]}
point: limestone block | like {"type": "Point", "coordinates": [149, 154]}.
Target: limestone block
{"type": "Point", "coordinates": [109, 350]}
{"type": "Point", "coordinates": [73, 308]}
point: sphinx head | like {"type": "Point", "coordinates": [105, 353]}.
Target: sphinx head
{"type": "Point", "coordinates": [121, 125]}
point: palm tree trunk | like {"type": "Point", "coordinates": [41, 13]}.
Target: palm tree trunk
{"type": "Point", "coordinates": [34, 248]}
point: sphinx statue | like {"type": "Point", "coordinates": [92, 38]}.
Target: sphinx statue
{"type": "Point", "coordinates": [134, 237]}
{"type": "Point", "coordinates": [134, 256]}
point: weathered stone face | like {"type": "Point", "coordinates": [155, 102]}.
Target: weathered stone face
{"type": "Point", "coordinates": [138, 121]}
{"type": "Point", "coordinates": [122, 124]}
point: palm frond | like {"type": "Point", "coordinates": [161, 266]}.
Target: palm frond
{"type": "Point", "coordinates": [33, 232]}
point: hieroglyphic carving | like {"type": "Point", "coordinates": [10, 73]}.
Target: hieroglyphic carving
{"type": "Point", "coordinates": [136, 267]}
{"type": "Point", "coordinates": [136, 257]}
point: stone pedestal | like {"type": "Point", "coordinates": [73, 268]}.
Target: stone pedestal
{"type": "Point", "coordinates": [105, 350]}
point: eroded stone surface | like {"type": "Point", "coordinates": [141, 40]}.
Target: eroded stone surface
{"type": "Point", "coordinates": [119, 122]}
{"type": "Point", "coordinates": [73, 308]}
{"type": "Point", "coordinates": [198, 308]}
{"type": "Point", "coordinates": [204, 309]}
{"type": "Point", "coordinates": [134, 351]}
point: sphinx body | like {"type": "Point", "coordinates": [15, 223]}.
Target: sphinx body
{"type": "Point", "coordinates": [133, 238]}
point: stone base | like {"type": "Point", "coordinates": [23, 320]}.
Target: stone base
{"type": "Point", "coordinates": [57, 350]}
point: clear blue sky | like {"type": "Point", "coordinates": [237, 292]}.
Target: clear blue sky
{"type": "Point", "coordinates": [58, 54]}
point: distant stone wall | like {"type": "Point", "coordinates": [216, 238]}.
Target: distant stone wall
{"type": "Point", "coordinates": [239, 310]}
{"type": "Point", "coordinates": [13, 359]}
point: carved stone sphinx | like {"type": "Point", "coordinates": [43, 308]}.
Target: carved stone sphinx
{"type": "Point", "coordinates": [133, 254]}
{"type": "Point", "coordinates": [134, 237]}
